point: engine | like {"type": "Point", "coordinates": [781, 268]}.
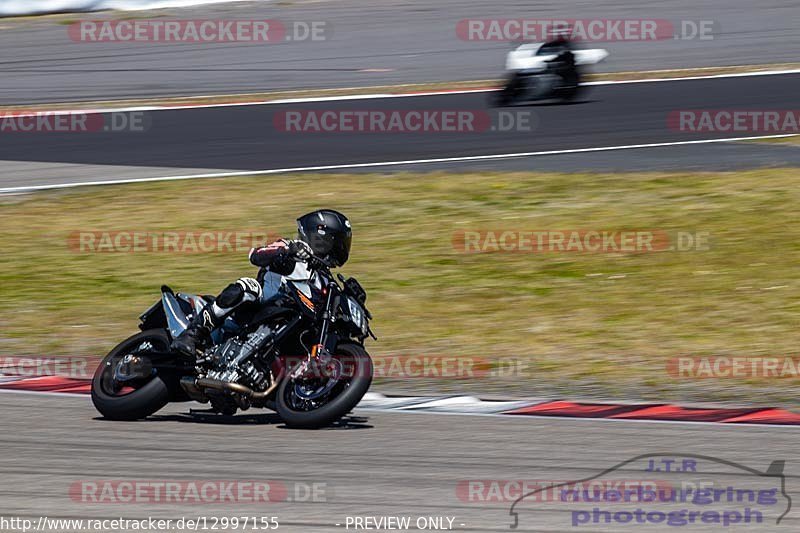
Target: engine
{"type": "Point", "coordinates": [233, 360]}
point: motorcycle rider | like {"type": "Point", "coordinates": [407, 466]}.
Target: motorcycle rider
{"type": "Point", "coordinates": [563, 64]}
{"type": "Point", "coordinates": [324, 238]}
{"type": "Point", "coordinates": [559, 42]}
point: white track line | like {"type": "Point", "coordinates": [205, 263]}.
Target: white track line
{"type": "Point", "coordinates": [150, 108]}
{"type": "Point", "coordinates": [15, 190]}
{"type": "Point", "coordinates": [699, 77]}
{"type": "Point", "coordinates": [368, 96]}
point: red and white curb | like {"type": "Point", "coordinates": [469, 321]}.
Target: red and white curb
{"type": "Point", "coordinates": [567, 409]}
{"type": "Point", "coordinates": [473, 405]}
{"type": "Point", "coordinates": [45, 384]}
{"type": "Point", "coordinates": [448, 404]}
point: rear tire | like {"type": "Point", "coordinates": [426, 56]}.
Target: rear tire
{"type": "Point", "coordinates": [500, 98]}
{"type": "Point", "coordinates": [142, 402]}
{"type": "Point", "coordinates": [340, 405]}
{"type": "Point", "coordinates": [570, 94]}
{"type": "Point", "coordinates": [507, 95]}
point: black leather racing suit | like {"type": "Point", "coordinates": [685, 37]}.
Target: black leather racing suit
{"type": "Point", "coordinates": [274, 257]}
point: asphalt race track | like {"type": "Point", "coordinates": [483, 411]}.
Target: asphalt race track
{"type": "Point", "coordinates": [248, 138]}
{"type": "Point", "coordinates": [379, 464]}
{"type": "Point", "coordinates": [467, 470]}
{"type": "Point", "coordinates": [366, 43]}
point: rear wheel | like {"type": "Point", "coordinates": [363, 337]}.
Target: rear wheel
{"type": "Point", "coordinates": [568, 94]}
{"type": "Point", "coordinates": [318, 402]}
{"type": "Point", "coordinates": [508, 94]}
{"type": "Point", "coordinates": [119, 398]}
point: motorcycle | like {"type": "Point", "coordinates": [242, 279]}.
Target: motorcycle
{"type": "Point", "coordinates": [538, 71]}
{"type": "Point", "coordinates": [254, 365]}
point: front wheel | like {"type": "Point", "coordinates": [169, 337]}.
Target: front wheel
{"type": "Point", "coordinates": [117, 398]}
{"type": "Point", "coordinates": [572, 87]}
{"type": "Point", "coordinates": [318, 402]}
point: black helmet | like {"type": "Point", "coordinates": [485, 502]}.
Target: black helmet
{"type": "Point", "coordinates": [328, 233]}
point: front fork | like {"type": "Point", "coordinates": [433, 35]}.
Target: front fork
{"type": "Point", "coordinates": [317, 364]}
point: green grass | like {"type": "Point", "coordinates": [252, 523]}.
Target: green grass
{"type": "Point", "coordinates": [794, 140]}
{"type": "Point", "coordinates": [597, 325]}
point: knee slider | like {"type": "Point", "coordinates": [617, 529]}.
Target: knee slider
{"type": "Point", "coordinates": [230, 296]}
{"type": "Point", "coordinates": [251, 288]}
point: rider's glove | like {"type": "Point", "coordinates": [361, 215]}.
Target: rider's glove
{"type": "Point", "coordinates": [300, 250]}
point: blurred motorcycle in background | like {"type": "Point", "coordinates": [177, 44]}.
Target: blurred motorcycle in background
{"type": "Point", "coordinates": [545, 71]}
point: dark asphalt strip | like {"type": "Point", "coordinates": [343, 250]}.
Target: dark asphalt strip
{"type": "Point", "coordinates": [250, 138]}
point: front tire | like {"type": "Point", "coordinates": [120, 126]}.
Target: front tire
{"type": "Point", "coordinates": [145, 397]}
{"type": "Point", "coordinates": [573, 87]}
{"type": "Point", "coordinates": [340, 405]}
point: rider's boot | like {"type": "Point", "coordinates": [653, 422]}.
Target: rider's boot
{"type": "Point", "coordinates": [242, 291]}
{"type": "Point", "coordinates": [196, 334]}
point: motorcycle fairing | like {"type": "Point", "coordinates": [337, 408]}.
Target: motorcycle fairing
{"type": "Point", "coordinates": [525, 57]}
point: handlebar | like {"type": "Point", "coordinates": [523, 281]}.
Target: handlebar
{"type": "Point", "coordinates": [314, 262]}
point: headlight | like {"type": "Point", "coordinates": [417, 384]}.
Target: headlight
{"type": "Point", "coordinates": [357, 315]}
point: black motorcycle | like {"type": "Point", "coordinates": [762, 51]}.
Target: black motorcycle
{"type": "Point", "coordinates": [544, 71]}
{"type": "Point", "coordinates": [302, 356]}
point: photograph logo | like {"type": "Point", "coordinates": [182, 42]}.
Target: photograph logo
{"type": "Point", "coordinates": [706, 491]}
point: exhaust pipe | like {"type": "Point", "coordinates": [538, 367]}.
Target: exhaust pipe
{"type": "Point", "coordinates": [192, 385]}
